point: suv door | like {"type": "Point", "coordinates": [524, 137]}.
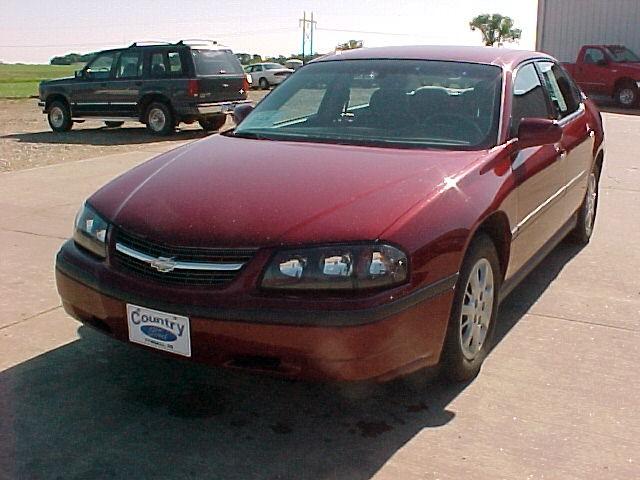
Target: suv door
{"type": "Point", "coordinates": [578, 137]}
{"type": "Point", "coordinates": [91, 96]}
{"type": "Point", "coordinates": [593, 72]}
{"type": "Point", "coordinates": [539, 173]}
{"type": "Point", "coordinates": [127, 84]}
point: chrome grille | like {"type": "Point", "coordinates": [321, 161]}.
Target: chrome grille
{"type": "Point", "coordinates": [214, 267]}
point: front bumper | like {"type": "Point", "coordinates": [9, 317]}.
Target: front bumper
{"type": "Point", "coordinates": [377, 343]}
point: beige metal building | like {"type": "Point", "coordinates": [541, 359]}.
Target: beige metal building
{"type": "Point", "coordinates": [565, 25]}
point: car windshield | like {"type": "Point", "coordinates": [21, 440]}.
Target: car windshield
{"type": "Point", "coordinates": [396, 103]}
{"type": "Point", "coordinates": [216, 62]}
{"type": "Point", "coordinates": [622, 55]}
{"type": "Point", "coordinates": [272, 66]}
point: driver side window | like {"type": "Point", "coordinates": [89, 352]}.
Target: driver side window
{"type": "Point", "coordinates": [529, 99]}
{"type": "Point", "coordinates": [100, 68]}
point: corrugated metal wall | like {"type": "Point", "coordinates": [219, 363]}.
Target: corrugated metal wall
{"type": "Point", "coordinates": [565, 25]}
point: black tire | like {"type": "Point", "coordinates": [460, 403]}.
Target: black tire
{"type": "Point", "coordinates": [581, 234]}
{"type": "Point", "coordinates": [113, 124]}
{"type": "Point", "coordinates": [212, 124]}
{"type": "Point", "coordinates": [264, 84]}
{"type": "Point", "coordinates": [458, 363]}
{"type": "Point", "coordinates": [59, 116]}
{"type": "Point", "coordinates": [159, 119]}
{"type": "Point", "coordinates": [626, 95]}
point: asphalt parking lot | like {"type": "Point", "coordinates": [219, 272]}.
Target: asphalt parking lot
{"type": "Point", "coordinates": [556, 399]}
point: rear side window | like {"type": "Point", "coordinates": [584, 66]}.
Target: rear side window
{"type": "Point", "coordinates": [564, 95]}
{"type": "Point", "coordinates": [175, 64]}
{"type": "Point", "coordinates": [129, 65]}
{"type": "Point", "coordinates": [216, 62]}
{"type": "Point", "coordinates": [529, 98]}
{"type": "Point", "coordinates": [157, 68]}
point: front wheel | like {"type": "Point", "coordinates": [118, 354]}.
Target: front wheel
{"type": "Point", "coordinates": [474, 312]}
{"type": "Point", "coordinates": [211, 124]}
{"type": "Point", "coordinates": [627, 95]}
{"type": "Point", "coordinates": [581, 235]}
{"type": "Point", "coordinates": [59, 116]}
{"type": "Point", "coordinates": [159, 119]}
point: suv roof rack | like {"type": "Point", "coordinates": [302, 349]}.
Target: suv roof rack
{"type": "Point", "coordinates": [198, 41]}
{"type": "Point", "coordinates": [148, 43]}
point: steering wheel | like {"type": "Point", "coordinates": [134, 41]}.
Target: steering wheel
{"type": "Point", "coordinates": [449, 120]}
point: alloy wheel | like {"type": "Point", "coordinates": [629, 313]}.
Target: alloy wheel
{"type": "Point", "coordinates": [157, 119]}
{"type": "Point", "coordinates": [591, 201]}
{"type": "Point", "coordinates": [56, 115]}
{"type": "Point", "coordinates": [477, 308]}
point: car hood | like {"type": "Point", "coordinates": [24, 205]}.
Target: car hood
{"type": "Point", "coordinates": [58, 80]}
{"type": "Point", "coordinates": [233, 192]}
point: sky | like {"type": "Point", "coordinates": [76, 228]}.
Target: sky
{"type": "Point", "coordinates": [33, 31]}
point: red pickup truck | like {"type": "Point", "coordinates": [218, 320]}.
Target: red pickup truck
{"type": "Point", "coordinates": [611, 70]}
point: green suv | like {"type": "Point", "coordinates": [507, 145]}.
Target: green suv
{"type": "Point", "coordinates": [159, 85]}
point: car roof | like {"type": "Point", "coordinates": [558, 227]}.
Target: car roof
{"type": "Point", "coordinates": [499, 56]}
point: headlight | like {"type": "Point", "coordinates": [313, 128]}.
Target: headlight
{"type": "Point", "coordinates": [337, 268]}
{"type": "Point", "coordinates": [91, 231]}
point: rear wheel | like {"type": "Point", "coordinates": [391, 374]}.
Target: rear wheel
{"type": "Point", "coordinates": [264, 83]}
{"type": "Point", "coordinates": [159, 119]}
{"type": "Point", "coordinates": [211, 124]}
{"type": "Point", "coordinates": [587, 213]}
{"type": "Point", "coordinates": [59, 116]}
{"type": "Point", "coordinates": [474, 312]}
{"type": "Point", "coordinates": [111, 124]}
{"type": "Point", "coordinates": [627, 95]}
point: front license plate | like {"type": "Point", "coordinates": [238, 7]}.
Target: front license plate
{"type": "Point", "coordinates": [161, 330]}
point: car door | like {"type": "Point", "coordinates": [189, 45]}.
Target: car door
{"type": "Point", "coordinates": [125, 88]}
{"type": "Point", "coordinates": [593, 72]}
{"type": "Point", "coordinates": [91, 97]}
{"type": "Point", "coordinates": [578, 137]}
{"type": "Point", "coordinates": [539, 173]}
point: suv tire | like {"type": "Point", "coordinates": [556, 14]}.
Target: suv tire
{"type": "Point", "coordinates": [212, 124]}
{"type": "Point", "coordinates": [59, 116]}
{"type": "Point", "coordinates": [159, 119]}
{"type": "Point", "coordinates": [264, 83]}
{"type": "Point", "coordinates": [474, 312]}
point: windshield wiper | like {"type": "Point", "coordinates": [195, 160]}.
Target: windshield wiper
{"type": "Point", "coordinates": [252, 135]}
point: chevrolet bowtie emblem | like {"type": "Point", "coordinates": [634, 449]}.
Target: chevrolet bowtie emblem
{"type": "Point", "coordinates": [163, 264]}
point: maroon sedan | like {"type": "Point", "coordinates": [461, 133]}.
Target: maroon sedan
{"type": "Point", "coordinates": [362, 222]}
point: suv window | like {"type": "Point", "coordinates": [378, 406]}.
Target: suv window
{"type": "Point", "coordinates": [529, 99]}
{"type": "Point", "coordinates": [593, 56]}
{"type": "Point", "coordinates": [129, 65]}
{"type": "Point", "coordinates": [158, 68]}
{"type": "Point", "coordinates": [564, 94]}
{"type": "Point", "coordinates": [175, 64]}
{"type": "Point", "coordinates": [100, 67]}
{"type": "Point", "coordinates": [216, 62]}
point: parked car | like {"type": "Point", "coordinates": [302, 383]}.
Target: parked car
{"type": "Point", "coordinates": [293, 63]}
{"type": "Point", "coordinates": [159, 85]}
{"type": "Point", "coordinates": [264, 75]}
{"type": "Point", "coordinates": [611, 70]}
{"type": "Point", "coordinates": [346, 233]}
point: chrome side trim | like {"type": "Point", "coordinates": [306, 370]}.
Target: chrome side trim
{"type": "Point", "coordinates": [541, 207]}
{"type": "Point", "coordinates": [201, 266]}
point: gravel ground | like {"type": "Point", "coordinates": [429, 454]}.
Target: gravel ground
{"type": "Point", "coordinates": [26, 141]}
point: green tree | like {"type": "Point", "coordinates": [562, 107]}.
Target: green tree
{"type": "Point", "coordinates": [495, 29]}
{"type": "Point", "coordinates": [350, 45]}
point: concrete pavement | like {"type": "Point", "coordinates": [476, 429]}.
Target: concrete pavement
{"type": "Point", "coordinates": [556, 399]}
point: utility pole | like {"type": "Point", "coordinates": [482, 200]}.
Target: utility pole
{"type": "Point", "coordinates": [307, 33]}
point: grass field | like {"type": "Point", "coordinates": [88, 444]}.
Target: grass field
{"type": "Point", "coordinates": [21, 81]}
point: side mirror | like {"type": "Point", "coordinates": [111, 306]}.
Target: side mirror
{"type": "Point", "coordinates": [534, 132]}
{"type": "Point", "coordinates": [241, 112]}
